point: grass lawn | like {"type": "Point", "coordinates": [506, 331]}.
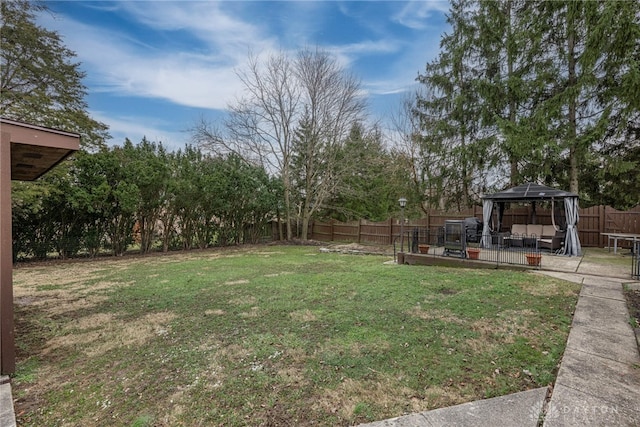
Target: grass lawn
{"type": "Point", "coordinates": [607, 257]}
{"type": "Point", "coordinates": [275, 335]}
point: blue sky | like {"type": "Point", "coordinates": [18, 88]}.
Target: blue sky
{"type": "Point", "coordinates": [155, 67]}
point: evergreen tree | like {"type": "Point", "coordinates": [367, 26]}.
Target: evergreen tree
{"type": "Point", "coordinates": [505, 44]}
{"type": "Point", "coordinates": [367, 188]}
{"type": "Point", "coordinates": [546, 89]}
{"type": "Point", "coordinates": [449, 110]}
{"type": "Point", "coordinates": [590, 53]}
{"type": "Point", "coordinates": [39, 81]}
{"type": "Point", "coordinates": [150, 172]}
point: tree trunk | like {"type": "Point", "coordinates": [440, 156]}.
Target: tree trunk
{"type": "Point", "coordinates": [513, 161]}
{"type": "Point", "coordinates": [167, 225]}
{"type": "Point", "coordinates": [573, 143]}
{"type": "Point", "coordinates": [286, 180]}
{"type": "Point", "coordinates": [305, 226]}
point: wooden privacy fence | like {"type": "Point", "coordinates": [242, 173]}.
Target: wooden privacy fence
{"type": "Point", "coordinates": [593, 222]}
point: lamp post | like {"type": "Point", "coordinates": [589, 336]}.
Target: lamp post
{"type": "Point", "coordinates": [403, 203]}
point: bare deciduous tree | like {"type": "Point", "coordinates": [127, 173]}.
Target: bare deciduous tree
{"type": "Point", "coordinates": [332, 105]}
{"type": "Point", "coordinates": [298, 109]}
{"type": "Point", "coordinates": [261, 125]}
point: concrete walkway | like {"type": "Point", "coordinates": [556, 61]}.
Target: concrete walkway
{"type": "Point", "coordinates": [7, 417]}
{"type": "Point", "coordinates": [519, 410]}
{"type": "Point", "coordinates": [598, 383]}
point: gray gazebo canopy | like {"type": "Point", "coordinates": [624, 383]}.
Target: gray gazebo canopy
{"type": "Point", "coordinates": [531, 193]}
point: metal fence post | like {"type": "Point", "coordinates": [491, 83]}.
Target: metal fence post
{"type": "Point", "coordinates": [635, 261]}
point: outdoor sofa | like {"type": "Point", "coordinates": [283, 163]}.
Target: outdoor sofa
{"type": "Point", "coordinates": [528, 235]}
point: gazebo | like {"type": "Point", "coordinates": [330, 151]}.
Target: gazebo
{"type": "Point", "coordinates": [531, 193]}
{"type": "Point", "coordinates": [26, 153]}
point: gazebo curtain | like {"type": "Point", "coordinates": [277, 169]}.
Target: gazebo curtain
{"type": "Point", "coordinates": [572, 245]}
{"type": "Point", "coordinates": [487, 208]}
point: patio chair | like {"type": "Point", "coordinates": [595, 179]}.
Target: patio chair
{"type": "Point", "coordinates": [552, 243]}
{"type": "Point", "coordinates": [518, 233]}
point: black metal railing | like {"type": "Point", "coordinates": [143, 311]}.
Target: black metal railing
{"type": "Point", "coordinates": [503, 249]}
{"type": "Point", "coordinates": [635, 261]}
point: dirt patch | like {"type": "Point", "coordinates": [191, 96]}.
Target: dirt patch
{"type": "Point", "coordinates": [234, 353]}
{"type": "Point", "coordinates": [297, 242]}
{"type": "Point", "coordinates": [332, 347]}
{"type": "Point", "coordinates": [266, 254]}
{"type": "Point", "coordinates": [291, 369]}
{"type": "Point", "coordinates": [358, 249]}
{"type": "Point", "coordinates": [293, 376]}
{"type": "Point", "coordinates": [633, 303]}
{"type": "Point", "coordinates": [61, 291]}
{"type": "Point", "coordinates": [65, 305]}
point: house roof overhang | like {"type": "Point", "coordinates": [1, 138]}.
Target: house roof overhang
{"type": "Point", "coordinates": [36, 149]}
{"type": "Point", "coordinates": [26, 152]}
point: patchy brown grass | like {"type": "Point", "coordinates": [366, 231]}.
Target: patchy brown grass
{"type": "Point", "coordinates": [221, 339]}
{"type": "Point", "coordinates": [437, 314]}
{"type": "Point", "coordinates": [111, 333]}
{"type": "Point", "coordinates": [344, 398]}
{"type": "Point", "coordinates": [549, 287]}
{"type": "Point", "coordinates": [305, 315]}
{"type": "Point", "coordinates": [504, 328]}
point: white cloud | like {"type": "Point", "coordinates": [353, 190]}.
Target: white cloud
{"type": "Point", "coordinates": [117, 63]}
{"type": "Point", "coordinates": [416, 13]}
{"type": "Point", "coordinates": [203, 75]}
{"type": "Point", "coordinates": [137, 127]}
{"type": "Point", "coordinates": [223, 33]}
{"type": "Point", "coordinates": [206, 78]}
{"type": "Point", "coordinates": [368, 47]}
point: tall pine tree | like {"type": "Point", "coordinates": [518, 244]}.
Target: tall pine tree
{"type": "Point", "coordinates": [40, 82]}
